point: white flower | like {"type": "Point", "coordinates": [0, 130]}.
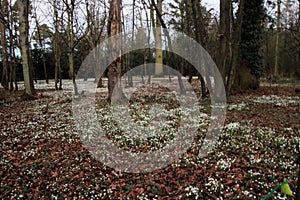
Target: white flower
{"type": "Point", "coordinates": [232, 126]}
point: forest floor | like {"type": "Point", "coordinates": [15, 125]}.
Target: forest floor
{"type": "Point", "coordinates": [43, 157]}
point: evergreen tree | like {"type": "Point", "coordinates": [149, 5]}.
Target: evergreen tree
{"type": "Point", "coordinates": [252, 36]}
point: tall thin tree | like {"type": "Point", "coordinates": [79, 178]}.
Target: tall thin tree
{"type": "Point", "coordinates": [224, 37]}
{"type": "Point", "coordinates": [235, 61]}
{"type": "Point", "coordinates": [3, 41]}
{"type": "Point", "coordinates": [158, 42]}
{"type": "Point", "coordinates": [56, 46]}
{"type": "Point", "coordinates": [277, 50]}
{"type": "Point", "coordinates": [70, 8]}
{"type": "Point", "coordinates": [115, 69]}
{"type": "Point", "coordinates": [23, 7]}
{"type": "Point", "coordinates": [201, 37]}
{"type": "Point", "coordinates": [41, 44]}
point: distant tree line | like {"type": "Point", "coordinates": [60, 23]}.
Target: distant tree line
{"type": "Point", "coordinates": [248, 40]}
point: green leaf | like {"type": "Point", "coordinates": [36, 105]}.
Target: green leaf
{"type": "Point", "coordinates": [285, 189]}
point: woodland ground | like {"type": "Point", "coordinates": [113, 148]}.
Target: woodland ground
{"type": "Point", "coordinates": [42, 156]}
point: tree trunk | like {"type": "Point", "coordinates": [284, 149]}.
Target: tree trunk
{"type": "Point", "coordinates": [115, 69]}
{"type": "Point", "coordinates": [3, 41]}
{"type": "Point", "coordinates": [12, 41]}
{"type": "Point", "coordinates": [42, 49]}
{"type": "Point", "coordinates": [277, 52]}
{"type": "Point", "coordinates": [130, 81]}
{"type": "Point", "coordinates": [95, 28]}
{"type": "Point", "coordinates": [56, 49]}
{"type": "Point", "coordinates": [4, 79]}
{"type": "Point", "coordinates": [152, 22]}
{"type": "Point", "coordinates": [70, 34]}
{"type": "Point", "coordinates": [224, 37]}
{"type": "Point", "coordinates": [299, 39]}
{"type": "Point", "coordinates": [23, 7]}
{"type": "Point", "coordinates": [144, 70]}
{"type": "Point", "coordinates": [201, 37]}
{"type": "Point", "coordinates": [180, 82]}
{"type": "Point", "coordinates": [225, 34]}
{"type": "Point", "coordinates": [188, 30]}
{"type": "Point", "coordinates": [11, 70]}
{"type": "Point", "coordinates": [235, 49]}
{"type": "Point", "coordinates": [154, 32]}
{"type": "Point", "coordinates": [12, 64]}
{"type": "Point", "coordinates": [158, 43]}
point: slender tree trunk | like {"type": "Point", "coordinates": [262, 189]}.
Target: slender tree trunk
{"type": "Point", "coordinates": [70, 33]}
{"type": "Point", "coordinates": [57, 55]}
{"type": "Point", "coordinates": [201, 37]}
{"type": "Point", "coordinates": [13, 64]}
{"type": "Point", "coordinates": [153, 30]}
{"type": "Point", "coordinates": [23, 6]}
{"type": "Point", "coordinates": [12, 53]}
{"type": "Point", "coordinates": [144, 70]}
{"type": "Point", "coordinates": [235, 49]}
{"type": "Point", "coordinates": [11, 70]}
{"type": "Point", "coordinates": [42, 49]}
{"type": "Point", "coordinates": [94, 33]}
{"type": "Point", "coordinates": [4, 79]}
{"type": "Point", "coordinates": [130, 81]}
{"type": "Point", "coordinates": [57, 50]}
{"type": "Point", "coordinates": [188, 30]}
{"type": "Point", "coordinates": [277, 52]}
{"type": "Point", "coordinates": [158, 42]}
{"type": "Point", "coordinates": [3, 41]}
{"type": "Point", "coordinates": [100, 81]}
{"type": "Point", "coordinates": [13, 41]}
{"type": "Point", "coordinates": [45, 68]}
{"type": "Point", "coordinates": [72, 71]}
{"type": "Point", "coordinates": [180, 82]}
{"type": "Point", "coordinates": [125, 58]}
{"type": "Point", "coordinates": [299, 39]}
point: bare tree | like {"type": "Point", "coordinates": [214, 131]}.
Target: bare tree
{"type": "Point", "coordinates": [148, 21]}
{"type": "Point", "coordinates": [235, 48]}
{"type": "Point", "coordinates": [115, 69]}
{"type": "Point", "coordinates": [188, 30]}
{"type": "Point", "coordinates": [130, 81]}
{"type": "Point", "coordinates": [158, 41]}
{"type": "Point", "coordinates": [41, 44]}
{"type": "Point", "coordinates": [3, 41]}
{"type": "Point", "coordinates": [23, 7]}
{"type": "Point", "coordinates": [166, 32]}
{"type": "Point", "coordinates": [56, 46]}
{"type": "Point", "coordinates": [70, 8]}
{"type": "Point", "coordinates": [201, 37]}
{"type": "Point", "coordinates": [75, 33]}
{"type": "Point", "coordinates": [298, 27]}
{"type": "Point", "coordinates": [224, 37]}
{"type": "Point", "coordinates": [95, 27]}
{"type": "Point", "coordinates": [13, 40]}
{"type": "Point", "coordinates": [277, 52]}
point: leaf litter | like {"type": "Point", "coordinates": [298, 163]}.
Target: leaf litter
{"type": "Point", "coordinates": [42, 156]}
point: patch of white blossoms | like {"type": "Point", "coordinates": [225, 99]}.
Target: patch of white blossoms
{"type": "Point", "coordinates": [193, 192]}
{"type": "Point", "coordinates": [225, 163]}
{"type": "Point", "coordinates": [238, 107]}
{"type": "Point", "coordinates": [277, 100]}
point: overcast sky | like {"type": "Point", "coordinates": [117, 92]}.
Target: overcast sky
{"type": "Point", "coordinates": [212, 4]}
